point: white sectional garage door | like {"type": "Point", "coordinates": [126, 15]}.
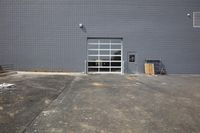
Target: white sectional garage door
{"type": "Point", "coordinates": [105, 56]}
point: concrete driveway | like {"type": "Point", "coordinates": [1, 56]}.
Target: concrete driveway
{"type": "Point", "coordinates": [115, 104]}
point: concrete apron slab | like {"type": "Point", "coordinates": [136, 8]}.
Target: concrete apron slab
{"type": "Point", "coordinates": [19, 105]}
{"type": "Point", "coordinates": [124, 104]}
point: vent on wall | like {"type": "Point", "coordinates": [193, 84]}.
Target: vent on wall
{"type": "Point", "coordinates": [196, 19]}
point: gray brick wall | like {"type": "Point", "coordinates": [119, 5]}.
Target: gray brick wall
{"type": "Point", "coordinates": [44, 34]}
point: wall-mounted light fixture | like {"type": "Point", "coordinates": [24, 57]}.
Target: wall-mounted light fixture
{"type": "Point", "coordinates": [188, 14]}
{"type": "Point", "coordinates": [80, 25]}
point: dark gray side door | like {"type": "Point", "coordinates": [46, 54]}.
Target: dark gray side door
{"type": "Point", "coordinates": [132, 62]}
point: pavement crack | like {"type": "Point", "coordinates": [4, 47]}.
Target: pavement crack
{"type": "Point", "coordinates": [76, 79]}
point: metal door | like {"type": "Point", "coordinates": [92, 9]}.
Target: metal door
{"type": "Point", "coordinates": [132, 62]}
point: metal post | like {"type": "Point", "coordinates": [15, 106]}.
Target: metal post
{"type": "Point", "coordinates": [85, 66]}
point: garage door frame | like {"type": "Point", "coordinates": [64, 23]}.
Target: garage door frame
{"type": "Point", "coordinates": [100, 63]}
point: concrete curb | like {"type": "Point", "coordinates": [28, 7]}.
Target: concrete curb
{"type": "Point", "coordinates": [51, 73]}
